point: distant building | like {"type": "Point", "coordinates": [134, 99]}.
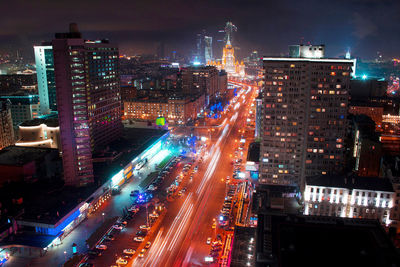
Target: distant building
{"type": "Point", "coordinates": [367, 149]}
{"type": "Point", "coordinates": [6, 124]}
{"type": "Point", "coordinates": [222, 82]}
{"type": "Point", "coordinates": [23, 107]}
{"type": "Point", "coordinates": [229, 62]}
{"type": "Point", "coordinates": [11, 83]}
{"type": "Point", "coordinates": [208, 49]}
{"type": "Point", "coordinates": [304, 118]}
{"type": "Point", "coordinates": [200, 80]}
{"type": "Point", "coordinates": [45, 76]}
{"type": "Point", "coordinates": [176, 110]}
{"type": "Point", "coordinates": [372, 111]}
{"type": "Point", "coordinates": [88, 100]}
{"type": "Point", "coordinates": [39, 133]}
{"type": "Point", "coordinates": [367, 88]}
{"type": "Point", "coordinates": [349, 196]}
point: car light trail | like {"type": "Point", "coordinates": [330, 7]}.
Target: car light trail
{"type": "Point", "coordinates": [180, 228]}
{"type": "Point", "coordinates": [171, 231]}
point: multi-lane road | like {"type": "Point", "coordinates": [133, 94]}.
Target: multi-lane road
{"type": "Point", "coordinates": [181, 240]}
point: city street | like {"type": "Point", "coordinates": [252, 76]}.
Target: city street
{"type": "Point", "coordinates": [184, 232]}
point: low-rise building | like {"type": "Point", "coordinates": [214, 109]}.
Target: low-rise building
{"type": "Point", "coordinates": [6, 124]}
{"type": "Point", "coordinates": [23, 107]}
{"type": "Point", "coordinates": [349, 196]}
{"type": "Point", "coordinates": [39, 133]}
{"type": "Point", "coordinates": [176, 110]}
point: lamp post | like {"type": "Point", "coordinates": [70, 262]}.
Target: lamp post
{"type": "Point", "coordinates": [65, 255]}
{"type": "Point", "coordinates": [103, 216]}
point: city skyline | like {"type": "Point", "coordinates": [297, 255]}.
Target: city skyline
{"type": "Point", "coordinates": [357, 25]}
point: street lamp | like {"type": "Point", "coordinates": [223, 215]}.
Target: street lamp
{"type": "Point", "coordinates": [103, 216]}
{"type": "Point", "coordinates": [65, 255]}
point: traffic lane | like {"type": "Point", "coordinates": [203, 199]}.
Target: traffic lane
{"type": "Point", "coordinates": [173, 208]}
{"type": "Point", "coordinates": [215, 203]}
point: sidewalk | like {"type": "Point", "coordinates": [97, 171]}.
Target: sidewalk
{"type": "Point", "coordinates": [55, 256]}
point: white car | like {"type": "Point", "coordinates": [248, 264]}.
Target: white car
{"type": "Point", "coordinates": [117, 227]}
{"type": "Point", "coordinates": [145, 227]}
{"type": "Point", "coordinates": [138, 239]}
{"type": "Point", "coordinates": [121, 261]}
{"type": "Point", "coordinates": [129, 251]}
{"type": "Point", "coordinates": [208, 241]}
{"type": "Point", "coordinates": [102, 247]}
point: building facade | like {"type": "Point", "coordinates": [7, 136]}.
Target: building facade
{"type": "Point", "coordinates": [176, 110]}
{"type": "Point", "coordinates": [23, 107]}
{"type": "Point", "coordinates": [88, 100]}
{"type": "Point", "coordinates": [45, 78]}
{"type": "Point", "coordinates": [200, 80]}
{"type": "Point", "coordinates": [352, 197]}
{"type": "Point", "coordinates": [6, 124]}
{"type": "Point", "coordinates": [39, 133]}
{"type": "Point", "coordinates": [304, 118]}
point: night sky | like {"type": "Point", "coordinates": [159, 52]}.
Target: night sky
{"type": "Point", "coordinates": [364, 26]}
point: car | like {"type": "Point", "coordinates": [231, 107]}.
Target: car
{"type": "Point", "coordinates": [142, 252]}
{"type": "Point", "coordinates": [127, 256]}
{"type": "Point", "coordinates": [138, 239]}
{"type": "Point", "coordinates": [118, 227]}
{"type": "Point", "coordinates": [214, 225]}
{"type": "Point", "coordinates": [141, 233]}
{"type": "Point", "coordinates": [129, 251]}
{"type": "Point", "coordinates": [180, 193]}
{"type": "Point", "coordinates": [208, 242]}
{"type": "Point", "coordinates": [133, 208]}
{"type": "Point", "coordinates": [145, 227]}
{"type": "Point", "coordinates": [101, 247]}
{"type": "Point", "coordinates": [109, 237]}
{"type": "Point", "coordinates": [121, 261]}
{"type": "Point", "coordinates": [154, 214]}
{"type": "Point", "coordinates": [147, 246]}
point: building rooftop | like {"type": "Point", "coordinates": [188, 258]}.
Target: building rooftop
{"type": "Point", "coordinates": [133, 142]}
{"type": "Point", "coordinates": [351, 181]}
{"type": "Point", "coordinates": [298, 240]}
{"type": "Point", "coordinates": [18, 155]}
{"type": "Point", "coordinates": [51, 122]}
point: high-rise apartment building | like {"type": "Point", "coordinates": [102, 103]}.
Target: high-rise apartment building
{"type": "Point", "coordinates": [6, 125]}
{"type": "Point", "coordinates": [45, 77]}
{"type": "Point", "coordinates": [199, 80]}
{"type": "Point", "coordinates": [304, 118]}
{"type": "Point", "coordinates": [88, 99]}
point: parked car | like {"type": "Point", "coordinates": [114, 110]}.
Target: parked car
{"type": "Point", "coordinates": [147, 246]}
{"type": "Point", "coordinates": [121, 261]}
{"type": "Point", "coordinates": [129, 251]}
{"type": "Point", "coordinates": [101, 247]}
{"type": "Point", "coordinates": [138, 239]}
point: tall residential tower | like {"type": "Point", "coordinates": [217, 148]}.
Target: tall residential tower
{"type": "Point", "coordinates": [304, 118]}
{"type": "Point", "coordinates": [88, 98]}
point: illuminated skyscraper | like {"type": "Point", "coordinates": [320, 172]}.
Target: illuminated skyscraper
{"type": "Point", "coordinates": [88, 98]}
{"type": "Point", "coordinates": [304, 118]}
{"type": "Point", "coordinates": [208, 49]}
{"type": "Point", "coordinates": [45, 77]}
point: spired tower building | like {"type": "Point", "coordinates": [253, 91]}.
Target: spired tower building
{"type": "Point", "coordinates": [228, 61]}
